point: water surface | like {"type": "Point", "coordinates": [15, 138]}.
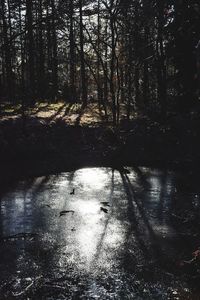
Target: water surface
{"type": "Point", "coordinates": [130, 247]}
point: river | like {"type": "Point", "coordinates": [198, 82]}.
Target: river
{"type": "Point", "coordinates": [99, 233]}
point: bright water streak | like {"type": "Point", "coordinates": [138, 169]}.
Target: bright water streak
{"type": "Point", "coordinates": [96, 250]}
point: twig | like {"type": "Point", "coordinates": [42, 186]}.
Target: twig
{"type": "Point", "coordinates": [25, 290]}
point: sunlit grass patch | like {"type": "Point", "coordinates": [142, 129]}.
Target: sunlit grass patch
{"type": "Point", "coordinates": [76, 107]}
{"type": "Point", "coordinates": [56, 106]}
{"type": "Point", "coordinates": [71, 113]}
{"type": "Point", "coordinates": [10, 108]}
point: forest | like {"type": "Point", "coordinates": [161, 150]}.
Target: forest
{"type": "Point", "coordinates": [128, 67]}
{"type": "Point", "coordinates": [124, 55]}
{"type": "Point", "coordinates": [99, 149]}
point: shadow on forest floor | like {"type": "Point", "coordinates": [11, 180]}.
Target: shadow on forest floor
{"type": "Point", "coordinates": [71, 114]}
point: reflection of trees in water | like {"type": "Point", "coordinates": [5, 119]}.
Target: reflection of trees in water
{"type": "Point", "coordinates": [139, 201]}
{"type": "Point", "coordinates": [140, 226]}
{"type": "Point", "coordinates": [186, 205]}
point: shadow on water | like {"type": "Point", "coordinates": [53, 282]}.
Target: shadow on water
{"type": "Point", "coordinates": [94, 253]}
{"type": "Point", "coordinates": [164, 194]}
{"type": "Point", "coordinates": [141, 177]}
{"type": "Point", "coordinates": [140, 223]}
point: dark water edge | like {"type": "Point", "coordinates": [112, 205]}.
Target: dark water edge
{"type": "Point", "coordinates": [42, 148]}
{"type": "Point", "coordinates": [14, 170]}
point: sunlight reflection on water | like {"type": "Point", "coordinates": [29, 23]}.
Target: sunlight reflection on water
{"type": "Point", "coordinates": [92, 177]}
{"type": "Point", "coordinates": [87, 239]}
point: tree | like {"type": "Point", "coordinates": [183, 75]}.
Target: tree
{"type": "Point", "coordinates": [82, 58]}
{"type": "Point", "coordinates": [129, 56]}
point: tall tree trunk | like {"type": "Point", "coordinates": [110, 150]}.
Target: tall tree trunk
{"type": "Point", "coordinates": [83, 73]}
{"type": "Point", "coordinates": [112, 69]}
{"type": "Point", "coordinates": [129, 77]}
{"type": "Point", "coordinates": [145, 87]}
{"type": "Point", "coordinates": [136, 44]}
{"type": "Point", "coordinates": [49, 56]}
{"type": "Point", "coordinates": [6, 54]}
{"type": "Point", "coordinates": [161, 67]}
{"type": "Point", "coordinates": [145, 83]}
{"type": "Point", "coordinates": [99, 93]}
{"type": "Point", "coordinates": [105, 96]}
{"type": "Point", "coordinates": [54, 52]}
{"type": "Point", "coordinates": [22, 79]}
{"type": "Point", "coordinates": [31, 59]}
{"type": "Point", "coordinates": [72, 55]}
{"type": "Point", "coordinates": [41, 61]}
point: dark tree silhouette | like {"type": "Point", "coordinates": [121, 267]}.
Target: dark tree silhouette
{"type": "Point", "coordinates": [137, 55]}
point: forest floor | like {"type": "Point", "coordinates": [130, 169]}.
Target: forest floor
{"type": "Point", "coordinates": [57, 137]}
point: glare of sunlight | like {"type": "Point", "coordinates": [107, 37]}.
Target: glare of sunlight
{"type": "Point", "coordinates": [20, 205]}
{"type": "Point", "coordinates": [88, 234]}
{"type": "Point", "coordinates": [88, 237]}
{"type": "Point", "coordinates": [94, 177]}
{"type": "Point", "coordinates": [156, 184]}
{"type": "Point", "coordinates": [97, 233]}
{"type": "Point", "coordinates": [87, 207]}
{"type": "Point", "coordinates": [115, 234]}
